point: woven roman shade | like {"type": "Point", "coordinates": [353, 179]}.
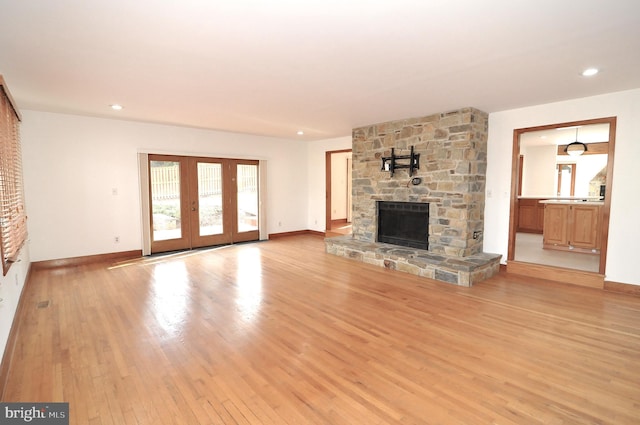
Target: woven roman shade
{"type": "Point", "coordinates": [13, 219]}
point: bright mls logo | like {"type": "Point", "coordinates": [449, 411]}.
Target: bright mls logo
{"type": "Point", "coordinates": [34, 413]}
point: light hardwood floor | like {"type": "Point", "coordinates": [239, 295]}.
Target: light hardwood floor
{"type": "Point", "coordinates": [279, 332]}
{"type": "Point", "coordinates": [339, 229]}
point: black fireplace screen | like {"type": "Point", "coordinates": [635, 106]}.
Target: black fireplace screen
{"type": "Point", "coordinates": [404, 223]}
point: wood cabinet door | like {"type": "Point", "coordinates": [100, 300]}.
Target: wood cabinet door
{"type": "Point", "coordinates": [540, 227]}
{"type": "Point", "coordinates": [529, 216]}
{"type": "Point", "coordinates": [555, 224]}
{"type": "Point", "coordinates": [584, 226]}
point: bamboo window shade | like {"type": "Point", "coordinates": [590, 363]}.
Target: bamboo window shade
{"type": "Point", "coordinates": [13, 219]}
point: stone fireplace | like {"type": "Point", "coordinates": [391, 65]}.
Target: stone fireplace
{"type": "Point", "coordinates": [450, 179]}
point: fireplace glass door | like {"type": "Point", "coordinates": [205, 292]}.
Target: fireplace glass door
{"type": "Point", "coordinates": [404, 224]}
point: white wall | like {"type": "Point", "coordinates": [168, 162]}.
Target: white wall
{"type": "Point", "coordinates": [73, 163]}
{"type": "Point", "coordinates": [624, 230]}
{"type": "Point", "coordinates": [587, 167]}
{"type": "Point", "coordinates": [10, 289]}
{"type": "Point", "coordinates": [317, 150]}
{"type": "Point", "coordinates": [339, 185]}
{"type": "Point", "coordinates": [539, 170]}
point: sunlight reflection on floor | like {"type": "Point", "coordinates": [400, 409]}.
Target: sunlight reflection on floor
{"type": "Point", "coordinates": [170, 298]}
{"type": "Point", "coordinates": [249, 283]}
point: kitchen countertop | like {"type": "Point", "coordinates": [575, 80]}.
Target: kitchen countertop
{"type": "Point", "coordinates": [565, 198]}
{"type": "Point", "coordinates": [582, 201]}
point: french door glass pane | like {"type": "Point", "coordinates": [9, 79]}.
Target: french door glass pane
{"type": "Point", "coordinates": [247, 176]}
{"type": "Point", "coordinates": [210, 198]}
{"type": "Point", "coordinates": [165, 200]}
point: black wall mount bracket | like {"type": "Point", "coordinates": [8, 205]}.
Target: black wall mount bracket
{"type": "Point", "coordinates": [389, 163]}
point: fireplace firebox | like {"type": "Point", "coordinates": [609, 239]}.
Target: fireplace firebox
{"type": "Point", "coordinates": [404, 223]}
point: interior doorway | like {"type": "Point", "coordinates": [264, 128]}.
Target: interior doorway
{"type": "Point", "coordinates": [196, 202]}
{"type": "Point", "coordinates": [338, 192]}
{"type": "Point", "coordinates": [564, 183]}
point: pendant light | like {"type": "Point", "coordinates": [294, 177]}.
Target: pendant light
{"type": "Point", "coordinates": [575, 148]}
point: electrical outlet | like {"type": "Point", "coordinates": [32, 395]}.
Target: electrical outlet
{"type": "Point", "coordinates": [116, 239]}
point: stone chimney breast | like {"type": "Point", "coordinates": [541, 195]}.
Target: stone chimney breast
{"type": "Point", "coordinates": [453, 162]}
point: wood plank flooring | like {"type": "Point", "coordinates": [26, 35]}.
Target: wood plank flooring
{"type": "Point", "coordinates": [279, 332]}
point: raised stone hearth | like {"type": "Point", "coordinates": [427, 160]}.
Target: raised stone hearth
{"type": "Point", "coordinates": [462, 271]}
{"type": "Point", "coordinates": [452, 148]}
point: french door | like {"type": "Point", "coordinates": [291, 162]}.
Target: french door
{"type": "Point", "coordinates": [198, 202]}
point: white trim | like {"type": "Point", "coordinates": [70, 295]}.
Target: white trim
{"type": "Point", "coordinates": [198, 154]}
{"type": "Point", "coordinates": [262, 196]}
{"type": "Point", "coordinates": [145, 208]}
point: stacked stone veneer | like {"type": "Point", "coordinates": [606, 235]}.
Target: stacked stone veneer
{"type": "Point", "coordinates": [453, 159]}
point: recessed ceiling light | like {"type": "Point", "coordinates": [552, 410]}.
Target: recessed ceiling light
{"type": "Point", "coordinates": [589, 72]}
{"type": "Point", "coordinates": [116, 107]}
{"type": "Point", "coordinates": [300, 133]}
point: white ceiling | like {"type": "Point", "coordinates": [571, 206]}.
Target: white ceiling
{"type": "Point", "coordinates": [321, 66]}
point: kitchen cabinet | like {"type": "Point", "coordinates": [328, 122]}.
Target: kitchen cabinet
{"type": "Point", "coordinates": [572, 226]}
{"type": "Point", "coordinates": [530, 215]}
